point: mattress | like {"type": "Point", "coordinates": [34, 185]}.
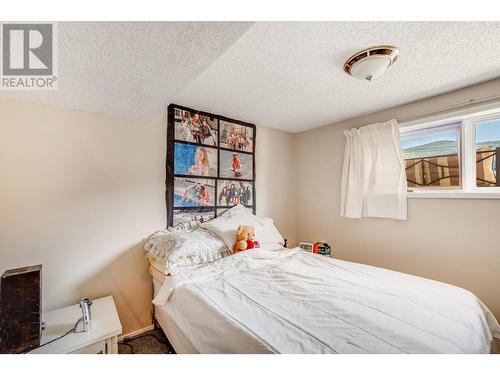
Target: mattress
{"type": "Point", "coordinates": [176, 337]}
{"type": "Point", "coordinates": [291, 301]}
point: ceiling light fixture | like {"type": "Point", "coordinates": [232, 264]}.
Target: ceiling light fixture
{"type": "Point", "coordinates": [371, 62]}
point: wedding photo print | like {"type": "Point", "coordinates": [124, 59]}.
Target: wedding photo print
{"type": "Point", "coordinates": [195, 160]}
{"type": "Point", "coordinates": [189, 218]}
{"type": "Point", "coordinates": [236, 137]}
{"type": "Point", "coordinates": [193, 192]}
{"type": "Point", "coordinates": [195, 128]}
{"type": "Point", "coordinates": [233, 192]}
{"type": "Point", "coordinates": [236, 165]}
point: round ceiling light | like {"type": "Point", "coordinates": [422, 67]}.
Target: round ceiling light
{"type": "Point", "coordinates": [371, 62]}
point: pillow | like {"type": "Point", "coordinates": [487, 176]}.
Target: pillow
{"type": "Point", "coordinates": [185, 250]}
{"type": "Point", "coordinates": [157, 263]}
{"type": "Point", "coordinates": [226, 225]}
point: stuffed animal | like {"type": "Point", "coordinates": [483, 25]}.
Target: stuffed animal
{"type": "Point", "coordinates": [245, 238]}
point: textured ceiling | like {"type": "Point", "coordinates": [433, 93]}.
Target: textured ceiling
{"type": "Point", "coordinates": [286, 75]}
{"type": "Point", "coordinates": [132, 69]}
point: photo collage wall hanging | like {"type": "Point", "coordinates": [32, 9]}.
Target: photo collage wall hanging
{"type": "Point", "coordinates": [210, 165]}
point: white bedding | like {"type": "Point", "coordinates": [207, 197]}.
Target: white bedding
{"type": "Point", "coordinates": [291, 301]}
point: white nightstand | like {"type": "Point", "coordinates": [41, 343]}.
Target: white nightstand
{"type": "Point", "coordinates": [101, 339]}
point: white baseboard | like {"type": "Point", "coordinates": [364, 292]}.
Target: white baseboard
{"type": "Point", "coordinates": [135, 333]}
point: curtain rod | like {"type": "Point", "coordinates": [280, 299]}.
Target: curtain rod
{"type": "Point", "coordinates": [464, 105]}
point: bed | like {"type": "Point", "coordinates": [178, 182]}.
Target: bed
{"type": "Point", "coordinates": [291, 301]}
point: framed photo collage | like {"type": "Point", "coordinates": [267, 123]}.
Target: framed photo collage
{"type": "Point", "coordinates": [210, 165]}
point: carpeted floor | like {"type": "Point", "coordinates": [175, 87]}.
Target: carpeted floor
{"type": "Point", "coordinates": [150, 342]}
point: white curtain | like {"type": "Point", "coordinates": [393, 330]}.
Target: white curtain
{"type": "Point", "coordinates": [373, 176]}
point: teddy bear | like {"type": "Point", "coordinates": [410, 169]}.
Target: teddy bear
{"type": "Point", "coordinates": [245, 238]}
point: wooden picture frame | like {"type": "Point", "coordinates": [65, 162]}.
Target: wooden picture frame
{"type": "Point", "coordinates": [195, 155]}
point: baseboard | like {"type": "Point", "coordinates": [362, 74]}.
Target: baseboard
{"type": "Point", "coordinates": [135, 333]}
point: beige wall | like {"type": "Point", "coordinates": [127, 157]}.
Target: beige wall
{"type": "Point", "coordinates": [275, 180]}
{"type": "Point", "coordinates": [451, 240]}
{"type": "Point", "coordinates": [80, 192]}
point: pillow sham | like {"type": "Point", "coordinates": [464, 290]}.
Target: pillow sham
{"type": "Point", "coordinates": [226, 225]}
{"type": "Point", "coordinates": [185, 250]}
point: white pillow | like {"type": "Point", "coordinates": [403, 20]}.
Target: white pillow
{"type": "Point", "coordinates": [226, 225]}
{"type": "Point", "coordinates": [272, 246]}
{"type": "Point", "coordinates": [185, 250]}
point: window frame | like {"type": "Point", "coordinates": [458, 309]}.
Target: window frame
{"type": "Point", "coordinates": [468, 118]}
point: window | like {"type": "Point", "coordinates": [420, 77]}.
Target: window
{"type": "Point", "coordinates": [453, 156]}
{"type": "Point", "coordinates": [432, 157]}
{"type": "Point", "coordinates": [487, 153]}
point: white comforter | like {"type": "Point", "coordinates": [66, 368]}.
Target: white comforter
{"type": "Point", "coordinates": [291, 301]}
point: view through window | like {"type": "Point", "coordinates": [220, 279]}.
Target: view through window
{"type": "Point", "coordinates": [432, 157]}
{"type": "Point", "coordinates": [487, 153]}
